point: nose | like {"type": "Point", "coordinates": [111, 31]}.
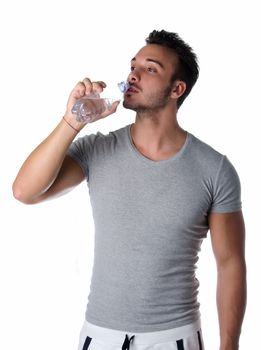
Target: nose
{"type": "Point", "coordinates": [133, 76]}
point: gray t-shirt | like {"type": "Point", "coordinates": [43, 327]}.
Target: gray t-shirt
{"type": "Point", "coordinates": [150, 219]}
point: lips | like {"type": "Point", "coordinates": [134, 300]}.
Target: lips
{"type": "Point", "coordinates": [133, 89]}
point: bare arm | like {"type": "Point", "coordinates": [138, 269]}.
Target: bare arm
{"type": "Point", "coordinates": [228, 242]}
{"type": "Point", "coordinates": [48, 172]}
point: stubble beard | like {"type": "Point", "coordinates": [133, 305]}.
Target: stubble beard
{"type": "Point", "coordinates": [154, 102]}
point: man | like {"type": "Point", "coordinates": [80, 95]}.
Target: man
{"type": "Point", "coordinates": [155, 190]}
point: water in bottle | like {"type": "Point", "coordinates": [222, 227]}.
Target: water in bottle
{"type": "Point", "coordinates": [92, 105]}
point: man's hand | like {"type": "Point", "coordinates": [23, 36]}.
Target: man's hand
{"type": "Point", "coordinates": [83, 88]}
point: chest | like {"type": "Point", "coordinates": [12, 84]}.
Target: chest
{"type": "Point", "coordinates": [169, 198]}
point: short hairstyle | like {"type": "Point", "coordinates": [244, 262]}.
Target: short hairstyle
{"type": "Point", "coordinates": [187, 68]}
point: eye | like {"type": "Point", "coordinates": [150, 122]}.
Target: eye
{"type": "Point", "coordinates": [151, 70]}
{"type": "Point", "coordinates": [132, 68]}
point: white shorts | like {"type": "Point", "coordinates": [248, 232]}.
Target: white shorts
{"type": "Point", "coordinates": [188, 337]}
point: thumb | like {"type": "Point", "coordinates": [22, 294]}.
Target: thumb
{"type": "Point", "coordinates": [115, 105]}
{"type": "Point", "coordinates": [112, 109]}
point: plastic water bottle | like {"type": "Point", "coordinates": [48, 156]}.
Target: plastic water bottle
{"type": "Point", "coordinates": [90, 106]}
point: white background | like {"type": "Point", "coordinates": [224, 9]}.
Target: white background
{"type": "Point", "coordinates": [47, 46]}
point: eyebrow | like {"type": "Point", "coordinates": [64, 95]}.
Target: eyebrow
{"type": "Point", "coordinates": [151, 60]}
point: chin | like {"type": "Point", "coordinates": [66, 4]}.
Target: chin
{"type": "Point", "coordinates": [129, 105]}
{"type": "Point", "coordinates": [133, 106]}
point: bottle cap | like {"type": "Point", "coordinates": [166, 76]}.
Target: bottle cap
{"type": "Point", "coordinates": [123, 86]}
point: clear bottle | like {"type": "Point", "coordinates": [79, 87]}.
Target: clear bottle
{"type": "Point", "coordinates": [90, 106]}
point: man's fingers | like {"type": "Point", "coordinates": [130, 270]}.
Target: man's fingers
{"type": "Point", "coordinates": [92, 86]}
{"type": "Point", "coordinates": [98, 86]}
{"type": "Point", "coordinates": [86, 87]}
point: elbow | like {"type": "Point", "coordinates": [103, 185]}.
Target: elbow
{"type": "Point", "coordinates": [20, 194]}
{"type": "Point", "coordinates": [234, 268]}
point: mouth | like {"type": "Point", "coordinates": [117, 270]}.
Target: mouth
{"type": "Point", "coordinates": [132, 89]}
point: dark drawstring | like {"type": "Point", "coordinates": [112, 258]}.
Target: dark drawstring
{"type": "Point", "coordinates": [126, 344]}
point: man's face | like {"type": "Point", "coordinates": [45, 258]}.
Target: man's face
{"type": "Point", "coordinates": [150, 76]}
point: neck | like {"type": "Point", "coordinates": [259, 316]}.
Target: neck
{"type": "Point", "coordinates": [157, 137]}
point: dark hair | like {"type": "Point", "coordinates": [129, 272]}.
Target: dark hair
{"type": "Point", "coordinates": [187, 68]}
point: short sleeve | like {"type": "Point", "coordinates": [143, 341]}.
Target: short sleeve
{"type": "Point", "coordinates": [227, 189]}
{"type": "Point", "coordinates": [81, 151]}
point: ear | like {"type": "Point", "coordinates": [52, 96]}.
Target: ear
{"type": "Point", "coordinates": [178, 89]}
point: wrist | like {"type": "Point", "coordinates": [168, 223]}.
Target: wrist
{"type": "Point", "coordinates": [71, 122]}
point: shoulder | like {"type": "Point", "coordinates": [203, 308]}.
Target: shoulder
{"type": "Point", "coordinates": [202, 148]}
{"type": "Point", "coordinates": [111, 136]}
{"type": "Point", "coordinates": [204, 155]}
{"type": "Point", "coordinates": [210, 161]}
{"type": "Point", "coordinates": [99, 139]}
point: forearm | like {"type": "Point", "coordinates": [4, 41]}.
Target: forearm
{"type": "Point", "coordinates": [231, 302]}
{"type": "Point", "coordinates": [40, 169]}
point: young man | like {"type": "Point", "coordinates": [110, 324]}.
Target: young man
{"type": "Point", "coordinates": [155, 190]}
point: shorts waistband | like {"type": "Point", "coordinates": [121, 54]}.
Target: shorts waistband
{"type": "Point", "coordinates": [115, 336]}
